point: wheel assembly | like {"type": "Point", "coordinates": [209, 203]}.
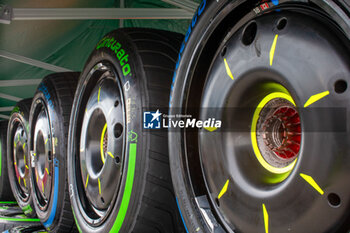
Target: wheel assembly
{"type": "Point", "coordinates": [49, 121]}
{"type": "Point", "coordinates": [276, 74]}
{"type": "Point", "coordinates": [5, 193]}
{"type": "Point", "coordinates": [17, 156]}
{"type": "Point", "coordinates": [119, 177]}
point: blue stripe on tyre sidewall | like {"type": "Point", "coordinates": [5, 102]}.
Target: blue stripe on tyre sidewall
{"type": "Point", "coordinates": [49, 221]}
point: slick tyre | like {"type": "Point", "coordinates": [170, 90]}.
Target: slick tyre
{"type": "Point", "coordinates": [119, 175]}
{"type": "Point", "coordinates": [18, 156]}
{"type": "Point", "coordinates": [49, 121]}
{"type": "Point", "coordinates": [5, 191]}
{"type": "Point", "coordinates": [276, 74]}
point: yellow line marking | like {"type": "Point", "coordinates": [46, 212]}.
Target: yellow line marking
{"type": "Point", "coordinates": [87, 181]}
{"type": "Point", "coordinates": [19, 180]}
{"type": "Point", "coordinates": [25, 183]}
{"type": "Point", "coordinates": [37, 179]}
{"type": "Point", "coordinates": [316, 98]}
{"type": "Point", "coordinates": [101, 142]}
{"type": "Point", "coordinates": [273, 49]}
{"type": "Point", "coordinates": [24, 145]}
{"type": "Point", "coordinates": [42, 186]}
{"type": "Point", "coordinates": [110, 154]}
{"type": "Point", "coordinates": [224, 189]}
{"type": "Point", "coordinates": [99, 186]}
{"type": "Point", "coordinates": [228, 70]}
{"type": "Point", "coordinates": [266, 218]}
{"type": "Point", "coordinates": [15, 163]}
{"type": "Point", "coordinates": [27, 167]}
{"type": "Point", "coordinates": [211, 129]}
{"type": "Point", "coordinates": [25, 161]}
{"type": "Point", "coordinates": [14, 143]}
{"type": "Point", "coordinates": [99, 93]}
{"type": "Point", "coordinates": [47, 171]}
{"type": "Point", "coordinates": [46, 141]}
{"type": "Point", "coordinates": [312, 182]}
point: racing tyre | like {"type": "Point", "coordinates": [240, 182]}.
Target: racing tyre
{"type": "Point", "coordinates": [49, 120]}
{"type": "Point", "coordinates": [11, 216]}
{"type": "Point", "coordinates": [119, 175]}
{"type": "Point", "coordinates": [5, 192]}
{"type": "Point", "coordinates": [273, 76]}
{"type": "Point", "coordinates": [18, 156]}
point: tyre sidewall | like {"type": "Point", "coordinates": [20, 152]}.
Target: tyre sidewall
{"type": "Point", "coordinates": [133, 89]}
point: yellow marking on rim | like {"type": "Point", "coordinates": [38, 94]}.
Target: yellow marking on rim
{"type": "Point", "coordinates": [316, 98]}
{"type": "Point", "coordinates": [211, 129]}
{"type": "Point", "coordinates": [99, 186]}
{"type": "Point", "coordinates": [312, 182]}
{"type": "Point", "coordinates": [266, 218]}
{"type": "Point", "coordinates": [224, 189]}
{"type": "Point", "coordinates": [24, 145]}
{"type": "Point", "coordinates": [101, 142]}
{"type": "Point", "coordinates": [228, 70]}
{"type": "Point", "coordinates": [87, 181]}
{"type": "Point", "coordinates": [47, 171]}
{"type": "Point", "coordinates": [273, 49]}
{"type": "Point", "coordinates": [110, 154]}
{"type": "Point", "coordinates": [99, 94]}
{"type": "Point", "coordinates": [256, 149]}
{"type": "Point", "coordinates": [46, 141]}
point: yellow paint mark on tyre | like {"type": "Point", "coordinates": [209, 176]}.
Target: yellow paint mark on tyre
{"type": "Point", "coordinates": [316, 98]}
{"type": "Point", "coordinates": [312, 182]}
{"type": "Point", "coordinates": [47, 171]}
{"type": "Point", "coordinates": [273, 49]}
{"type": "Point", "coordinates": [211, 129]}
{"type": "Point", "coordinates": [101, 143]}
{"type": "Point", "coordinates": [24, 145]}
{"type": "Point", "coordinates": [224, 189]}
{"type": "Point", "coordinates": [110, 154]}
{"type": "Point", "coordinates": [266, 218]}
{"type": "Point", "coordinates": [25, 183]}
{"type": "Point", "coordinates": [99, 186]}
{"type": "Point", "coordinates": [99, 94]}
{"type": "Point", "coordinates": [42, 186]}
{"type": "Point", "coordinates": [228, 70]}
{"type": "Point", "coordinates": [87, 181]}
{"type": "Point", "coordinates": [27, 167]}
{"type": "Point", "coordinates": [46, 141]}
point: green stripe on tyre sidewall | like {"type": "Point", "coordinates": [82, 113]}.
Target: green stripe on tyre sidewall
{"type": "Point", "coordinates": [127, 190]}
{"type": "Point", "coordinates": [19, 219]}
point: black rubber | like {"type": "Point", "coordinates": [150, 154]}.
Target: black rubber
{"type": "Point", "coordinates": [218, 186]}
{"type": "Point", "coordinates": [11, 217]}
{"type": "Point", "coordinates": [20, 119]}
{"type": "Point", "coordinates": [24, 228]}
{"type": "Point", "coordinates": [151, 57]}
{"type": "Point", "coordinates": [5, 192]}
{"type": "Point", "coordinates": [54, 96]}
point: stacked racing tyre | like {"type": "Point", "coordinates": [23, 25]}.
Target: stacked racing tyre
{"type": "Point", "coordinates": [49, 121]}
{"type": "Point", "coordinates": [5, 192]}
{"type": "Point", "coordinates": [119, 174]}
{"type": "Point", "coordinates": [276, 74]}
{"type": "Point", "coordinates": [18, 156]}
{"type": "Point", "coordinates": [11, 217]}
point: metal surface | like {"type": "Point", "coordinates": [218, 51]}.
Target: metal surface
{"type": "Point", "coordinates": [9, 97]}
{"type": "Point", "coordinates": [184, 4]}
{"type": "Point", "coordinates": [32, 62]}
{"type": "Point", "coordinates": [19, 82]}
{"type": "Point", "coordinates": [97, 13]}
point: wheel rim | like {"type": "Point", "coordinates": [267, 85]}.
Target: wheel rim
{"type": "Point", "coordinates": [20, 149]}
{"type": "Point", "coordinates": [101, 144]}
{"type": "Point", "coordinates": [251, 183]}
{"type": "Point", "coordinates": [42, 151]}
